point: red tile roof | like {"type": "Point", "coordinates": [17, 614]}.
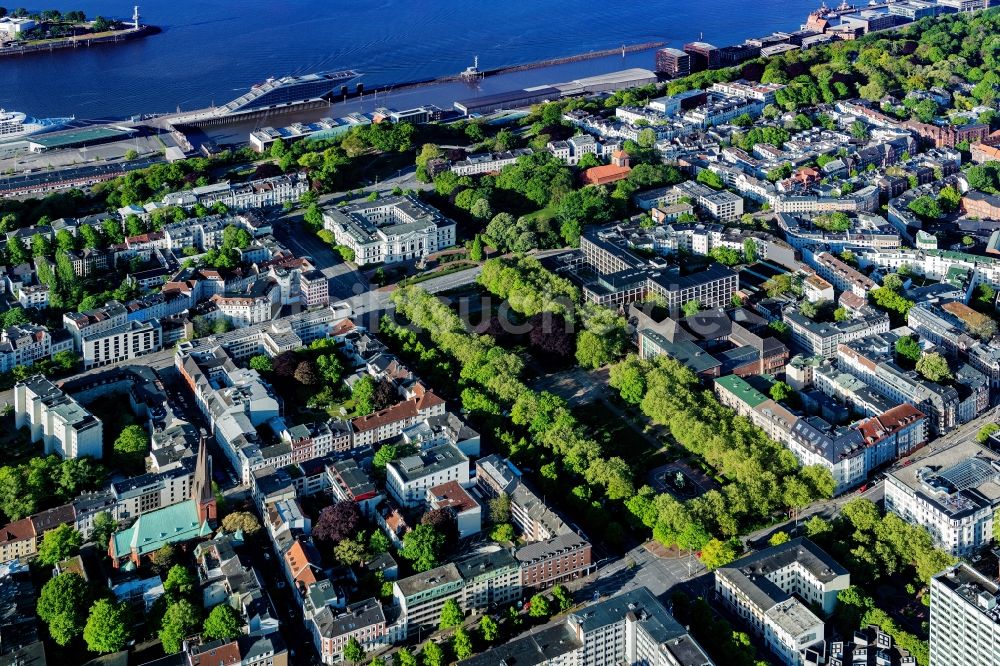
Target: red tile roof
{"type": "Point", "coordinates": [19, 530]}
{"type": "Point", "coordinates": [888, 423]}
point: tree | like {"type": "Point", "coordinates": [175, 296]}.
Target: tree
{"type": "Point", "coordinates": [353, 651]}
{"type": "Point", "coordinates": [305, 373]}
{"type": "Point", "coordinates": [432, 654]}
{"type": "Point", "coordinates": [14, 317]}
{"type": "Point", "coordinates": [378, 543]}
{"type": "Point", "coordinates": [691, 308]}
{"type": "Point", "coordinates": [562, 596]}
{"type": "Point", "coordinates": [386, 454]}
{"type": "Point", "coordinates": [817, 527]}
{"type": "Point", "coordinates": [780, 391]}
{"type": "Point", "coordinates": [500, 508]}
{"type": "Point", "coordinates": [908, 348]}
{"type": "Point", "coordinates": [503, 533]}
{"type": "Point", "coordinates": [443, 520]}
{"type": "Point", "coordinates": [16, 252]}
{"type": "Point", "coordinates": [180, 621]}
{"type": "Point", "coordinates": [779, 538]}
{"type": "Point", "coordinates": [363, 394]}
{"type": "Point", "coordinates": [62, 605]}
{"type": "Point", "coordinates": [337, 522]}
{"type": "Point", "coordinates": [385, 395]}
{"type": "Point", "coordinates": [750, 250]}
{"type": "Point", "coordinates": [350, 552]}
{"type": "Point", "coordinates": [926, 207]}
{"type": "Point", "coordinates": [718, 553]}
{"type": "Point", "coordinates": [261, 363]}
{"type": "Point", "coordinates": [241, 520]}
{"type": "Point", "coordinates": [489, 628]}
{"type": "Point", "coordinates": [476, 251]}
{"type": "Point", "coordinates": [180, 582]}
{"type": "Point", "coordinates": [423, 546]}
{"type": "Point", "coordinates": [58, 544]}
{"type": "Point", "coordinates": [164, 558]}
{"type": "Point", "coordinates": [404, 657]}
{"type": "Point", "coordinates": [934, 367]}
{"type": "Point", "coordinates": [108, 627]}
{"type": "Point", "coordinates": [451, 615]}
{"type": "Point", "coordinates": [859, 130]}
{"type": "Point", "coordinates": [710, 178]}
{"type": "Point", "coordinates": [462, 644]}
{"type": "Point", "coordinates": [104, 527]}
{"type": "Point", "coordinates": [540, 606]}
{"type": "Point", "coordinates": [984, 433]}
{"type": "Point", "coordinates": [133, 441]}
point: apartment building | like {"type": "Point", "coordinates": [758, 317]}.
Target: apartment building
{"type": "Point", "coordinates": [631, 628]}
{"type": "Point", "coordinates": [475, 165]}
{"type": "Point", "coordinates": [953, 493]}
{"type": "Point", "coordinates": [545, 563]}
{"type": "Point", "coordinates": [814, 441]}
{"type": "Point", "coordinates": [57, 420]}
{"type": "Point", "coordinates": [760, 587]}
{"type": "Point", "coordinates": [476, 582]}
{"type": "Point", "coordinates": [823, 338]}
{"type": "Point", "coordinates": [673, 62]}
{"type": "Point", "coordinates": [153, 490]}
{"type": "Point", "coordinates": [24, 344]}
{"type": "Point", "coordinates": [408, 479]}
{"type": "Point", "coordinates": [453, 497]}
{"type": "Point", "coordinates": [363, 621]}
{"type": "Point", "coordinates": [233, 400]}
{"type": "Point", "coordinates": [398, 228]}
{"type": "Point", "coordinates": [868, 359]}
{"type": "Point", "coordinates": [314, 288]}
{"type": "Point", "coordinates": [843, 276]}
{"type": "Point", "coordinates": [535, 520]}
{"type": "Point", "coordinates": [392, 421]}
{"type": "Point", "coordinates": [965, 618]}
{"type": "Point", "coordinates": [106, 335]}
{"type": "Point", "coordinates": [262, 193]}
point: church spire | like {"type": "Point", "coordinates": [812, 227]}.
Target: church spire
{"type": "Point", "coordinates": [201, 485]}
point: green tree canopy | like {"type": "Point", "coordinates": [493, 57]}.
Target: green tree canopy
{"type": "Point", "coordinates": [180, 621]}
{"type": "Point", "coordinates": [451, 615]}
{"type": "Point", "coordinates": [58, 544]}
{"type": "Point", "coordinates": [423, 546]}
{"type": "Point", "coordinates": [108, 627]}
{"type": "Point", "coordinates": [62, 605]}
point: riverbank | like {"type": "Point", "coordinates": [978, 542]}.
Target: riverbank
{"type": "Point", "coordinates": [80, 41]}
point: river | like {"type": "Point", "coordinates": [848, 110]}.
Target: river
{"type": "Point", "coordinates": [210, 51]}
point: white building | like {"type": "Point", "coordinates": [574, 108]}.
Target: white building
{"type": "Point", "coordinates": [631, 628]}
{"type": "Point", "coordinates": [481, 163]}
{"type": "Point", "coordinates": [965, 618]}
{"type": "Point", "coordinates": [253, 194]}
{"type": "Point", "coordinates": [26, 343]}
{"type": "Point", "coordinates": [490, 578]}
{"type": "Point", "coordinates": [759, 588]}
{"type": "Point", "coordinates": [390, 230]}
{"type": "Point", "coordinates": [56, 419]}
{"type": "Point", "coordinates": [408, 479]}
{"type": "Point", "coordinates": [105, 335]}
{"type": "Point", "coordinates": [953, 494]}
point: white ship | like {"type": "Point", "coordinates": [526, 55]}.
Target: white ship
{"type": "Point", "coordinates": [16, 125]}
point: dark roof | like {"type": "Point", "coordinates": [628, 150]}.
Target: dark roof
{"type": "Point", "coordinates": [536, 648]}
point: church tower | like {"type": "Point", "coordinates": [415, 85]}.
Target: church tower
{"type": "Point", "coordinates": [201, 485]}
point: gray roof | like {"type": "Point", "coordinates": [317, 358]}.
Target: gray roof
{"type": "Point", "coordinates": [542, 549]}
{"type": "Point", "coordinates": [534, 649]}
{"type": "Point", "coordinates": [748, 573]}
